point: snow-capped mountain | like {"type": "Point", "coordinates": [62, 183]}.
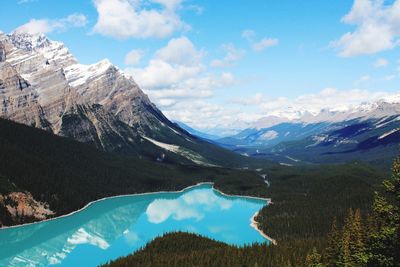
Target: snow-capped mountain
{"type": "Point", "coordinates": [384, 107]}
{"type": "Point", "coordinates": [326, 136]}
{"type": "Point", "coordinates": [43, 85]}
{"type": "Point", "coordinates": [374, 138]}
{"type": "Point", "coordinates": [297, 124]}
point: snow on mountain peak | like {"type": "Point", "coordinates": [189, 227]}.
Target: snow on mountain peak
{"type": "Point", "coordinates": [386, 106]}
{"type": "Point", "coordinates": [78, 74]}
{"type": "Point", "coordinates": [29, 42]}
{"type": "Point", "coordinates": [55, 52]}
{"type": "Point", "coordinates": [393, 99]}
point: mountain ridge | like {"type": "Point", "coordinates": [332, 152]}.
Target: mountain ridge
{"type": "Point", "coordinates": [43, 85]}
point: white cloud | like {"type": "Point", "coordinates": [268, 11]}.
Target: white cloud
{"type": "Point", "coordinates": [205, 115]}
{"type": "Point", "coordinates": [159, 74]}
{"type": "Point", "coordinates": [248, 34]}
{"type": "Point", "coordinates": [381, 62]}
{"type": "Point", "coordinates": [232, 56]}
{"type": "Point", "coordinates": [259, 45]}
{"type": "Point", "coordinates": [35, 26]}
{"type": "Point", "coordinates": [180, 51]}
{"type": "Point", "coordinates": [38, 26]}
{"type": "Point", "coordinates": [377, 28]}
{"type": "Point", "coordinates": [177, 80]}
{"type": "Point", "coordinates": [197, 9]}
{"type": "Point", "coordinates": [75, 20]}
{"type": "Point", "coordinates": [256, 99]}
{"type": "Point", "coordinates": [363, 79]}
{"type": "Point", "coordinates": [176, 71]}
{"type": "Point", "coordinates": [265, 43]}
{"type": "Point", "coordinates": [125, 18]}
{"type": "Point", "coordinates": [134, 57]}
{"type": "Point", "coordinates": [389, 77]}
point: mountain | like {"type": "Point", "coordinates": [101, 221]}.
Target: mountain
{"type": "Point", "coordinates": [373, 140]}
{"type": "Point", "coordinates": [43, 85]}
{"type": "Point", "coordinates": [387, 106]}
{"type": "Point", "coordinates": [366, 132]}
{"type": "Point", "coordinates": [267, 137]}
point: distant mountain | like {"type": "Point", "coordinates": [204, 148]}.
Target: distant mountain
{"type": "Point", "coordinates": [384, 107]}
{"type": "Point", "coordinates": [367, 132]}
{"type": "Point", "coordinates": [268, 137]}
{"type": "Point", "coordinates": [43, 85]}
{"type": "Point", "coordinates": [372, 140]}
{"type": "Point", "coordinates": [197, 132]}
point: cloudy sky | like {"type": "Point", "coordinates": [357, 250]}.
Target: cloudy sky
{"type": "Point", "coordinates": [226, 63]}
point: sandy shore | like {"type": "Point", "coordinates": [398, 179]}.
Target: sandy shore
{"type": "Point", "coordinates": [254, 224]}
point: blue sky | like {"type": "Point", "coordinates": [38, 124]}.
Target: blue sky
{"type": "Point", "coordinates": [228, 63]}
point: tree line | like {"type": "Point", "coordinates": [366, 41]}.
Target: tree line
{"type": "Point", "coordinates": [370, 240]}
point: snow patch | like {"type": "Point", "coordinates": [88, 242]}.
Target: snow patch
{"type": "Point", "coordinates": [79, 74]}
{"type": "Point", "coordinates": [189, 154]}
{"type": "Point", "coordinates": [388, 133]}
{"type": "Point", "coordinates": [269, 135]}
{"type": "Point", "coordinates": [293, 159]}
{"type": "Point", "coordinates": [172, 148]}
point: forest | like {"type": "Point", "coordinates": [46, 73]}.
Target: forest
{"type": "Point", "coordinates": [366, 236]}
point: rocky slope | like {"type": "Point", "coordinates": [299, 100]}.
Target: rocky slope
{"type": "Point", "coordinates": [43, 85]}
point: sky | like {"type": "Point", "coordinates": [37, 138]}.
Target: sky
{"type": "Point", "coordinates": [225, 64]}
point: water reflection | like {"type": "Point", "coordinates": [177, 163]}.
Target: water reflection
{"type": "Point", "coordinates": [189, 206]}
{"type": "Point", "coordinates": [118, 226]}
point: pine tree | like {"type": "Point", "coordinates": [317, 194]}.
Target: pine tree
{"type": "Point", "coordinates": [345, 256]}
{"type": "Point", "coordinates": [332, 251]}
{"type": "Point", "coordinates": [384, 243]}
{"type": "Point", "coordinates": [356, 240]}
{"type": "Point", "coordinates": [313, 259]}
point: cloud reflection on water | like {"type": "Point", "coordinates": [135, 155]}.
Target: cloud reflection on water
{"type": "Point", "coordinates": [189, 206]}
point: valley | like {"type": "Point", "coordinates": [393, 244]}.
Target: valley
{"type": "Point", "coordinates": [72, 134]}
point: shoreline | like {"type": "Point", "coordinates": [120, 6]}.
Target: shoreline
{"type": "Point", "coordinates": [253, 223]}
{"type": "Point", "coordinates": [102, 199]}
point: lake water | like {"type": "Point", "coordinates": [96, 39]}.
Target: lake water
{"type": "Point", "coordinates": [116, 227]}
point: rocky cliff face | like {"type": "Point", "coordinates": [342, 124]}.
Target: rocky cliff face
{"type": "Point", "coordinates": [43, 85]}
{"type": "Point", "coordinates": [42, 74]}
{"type": "Point", "coordinates": [22, 207]}
{"type": "Point", "coordinates": [2, 53]}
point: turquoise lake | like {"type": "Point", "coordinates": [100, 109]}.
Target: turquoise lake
{"type": "Point", "coordinates": [116, 227]}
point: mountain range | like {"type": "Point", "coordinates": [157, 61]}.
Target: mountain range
{"type": "Point", "coordinates": [368, 132]}
{"type": "Point", "coordinates": [43, 85]}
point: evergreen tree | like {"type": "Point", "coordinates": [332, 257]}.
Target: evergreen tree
{"type": "Point", "coordinates": [384, 243]}
{"type": "Point", "coordinates": [356, 240]}
{"type": "Point", "coordinates": [313, 259]}
{"type": "Point", "coordinates": [345, 257]}
{"type": "Point", "coordinates": [332, 251]}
